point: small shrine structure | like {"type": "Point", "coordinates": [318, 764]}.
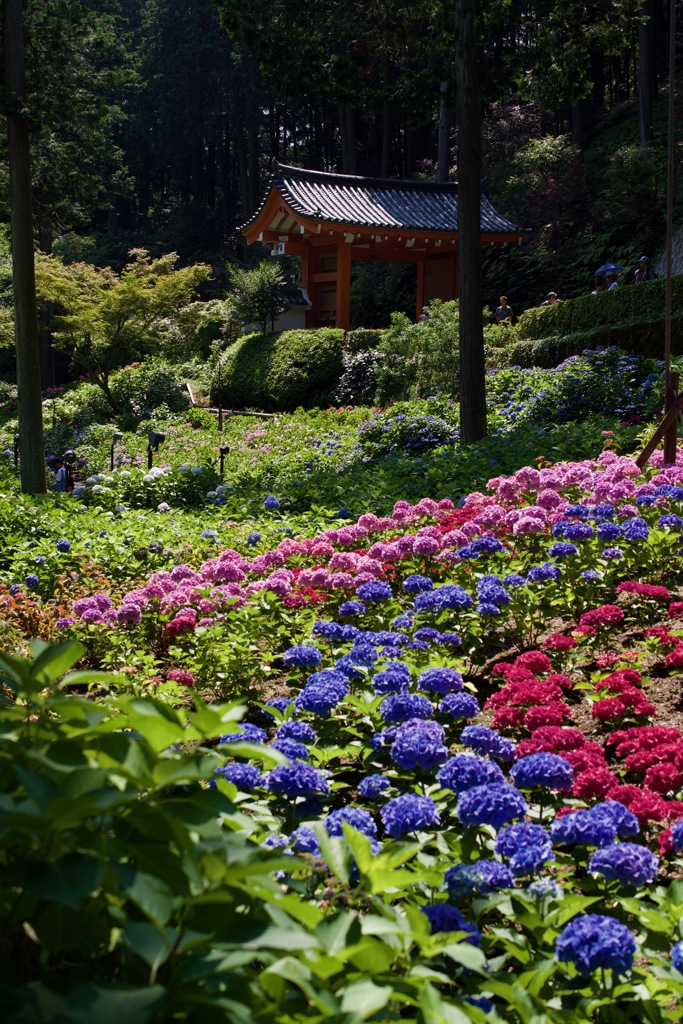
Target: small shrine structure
{"type": "Point", "coordinates": [332, 219]}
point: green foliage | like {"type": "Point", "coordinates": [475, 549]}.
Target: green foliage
{"type": "Point", "coordinates": [280, 371]}
{"type": "Point", "coordinates": [422, 359]}
{"type": "Point", "coordinates": [409, 431]}
{"type": "Point", "coordinates": [257, 294]}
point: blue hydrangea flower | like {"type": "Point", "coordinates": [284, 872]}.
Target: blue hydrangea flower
{"type": "Point", "coordinates": [63, 545]}
{"type": "Point", "coordinates": [612, 553]}
{"type": "Point", "coordinates": [616, 814]}
{"type": "Point", "coordinates": [302, 656]}
{"type": "Point", "coordinates": [581, 828]}
{"type": "Point", "coordinates": [527, 846]}
{"type": "Point", "coordinates": [629, 863]}
{"type": "Point", "coordinates": [372, 785]}
{"type": "Point", "coordinates": [415, 584]}
{"type": "Point", "coordinates": [357, 817]}
{"type": "Point", "coordinates": [445, 918]}
{"type": "Point", "coordinates": [408, 813]}
{"type": "Point", "coordinates": [40, 560]}
{"type": "Point", "coordinates": [271, 504]}
{"type": "Point", "coordinates": [440, 680]}
{"type": "Point", "coordinates": [245, 776]}
{"type": "Point", "coordinates": [292, 750]}
{"type": "Point", "coordinates": [15, 588]}
{"type": "Point", "coordinates": [514, 580]}
{"type": "Point", "coordinates": [391, 680]}
{"type": "Point", "coordinates": [253, 538]}
{"type": "Point", "coordinates": [608, 531]}
{"type": "Point", "coordinates": [427, 633]}
{"type": "Point", "coordinates": [486, 545]}
{"type": "Point", "coordinates": [399, 707]}
{"type": "Point", "coordinates": [545, 888]}
{"type": "Point", "coordinates": [490, 591]}
{"type": "Point", "coordinates": [374, 590]}
{"type": "Point", "coordinates": [293, 730]}
{"type": "Point", "coordinates": [481, 1002]}
{"type": "Point", "coordinates": [488, 741]}
{"type": "Point", "coordinates": [348, 667]}
{"type": "Point", "coordinates": [677, 957]}
{"type": "Point", "coordinates": [578, 531]}
{"type": "Point", "coordinates": [206, 535]}
{"type": "Point", "coordinates": [543, 573]}
{"type": "Point", "coordinates": [671, 520]}
{"type": "Point", "coordinates": [482, 878]}
{"type": "Point", "coordinates": [297, 779]}
{"type": "Point", "coordinates": [677, 835]}
{"type": "Point", "coordinates": [448, 596]}
{"type": "Point", "coordinates": [304, 840]}
{"type": "Point", "coordinates": [636, 529]}
{"type": "Point", "coordinates": [419, 744]}
{"type": "Point", "coordinates": [380, 740]}
{"type": "Point", "coordinates": [402, 622]}
{"type": "Point", "coordinates": [31, 580]}
{"type": "Point", "coordinates": [450, 640]}
{"type": "Point", "coordinates": [488, 609]}
{"type": "Point", "coordinates": [281, 703]}
{"type": "Point", "coordinates": [246, 732]}
{"type": "Point", "coordinates": [563, 549]}
{"type": "Point", "coordinates": [493, 805]}
{"type": "Point", "coordinates": [323, 691]}
{"type": "Point", "coordinates": [460, 705]}
{"type": "Point", "coordinates": [465, 771]}
{"type": "Point", "coordinates": [542, 769]}
{"type": "Point", "coordinates": [351, 608]}
{"type": "Point", "coordinates": [596, 941]}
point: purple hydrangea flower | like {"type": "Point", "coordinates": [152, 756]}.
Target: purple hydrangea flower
{"type": "Point", "coordinates": [392, 680]}
{"type": "Point", "coordinates": [527, 846]}
{"type": "Point", "coordinates": [297, 779]}
{"type": "Point", "coordinates": [374, 590]}
{"type": "Point", "coordinates": [416, 584]}
{"type": "Point", "coordinates": [628, 863]}
{"type": "Point", "coordinates": [281, 703]}
{"type": "Point", "coordinates": [465, 771]}
{"type": "Point", "coordinates": [408, 813]}
{"type": "Point", "coordinates": [302, 732]}
{"type": "Point", "coordinates": [63, 545]}
{"type": "Point", "coordinates": [488, 741]}
{"type": "Point", "coordinates": [399, 707]}
{"type": "Point", "coordinates": [493, 805]}
{"type": "Point", "coordinates": [304, 840]}
{"type": "Point", "coordinates": [351, 608]}
{"type": "Point", "coordinates": [441, 598]}
{"type": "Point", "coordinates": [445, 918]}
{"type": "Point", "coordinates": [419, 744]}
{"type": "Point", "coordinates": [245, 776]}
{"type": "Point", "coordinates": [616, 814]}
{"type": "Point", "coordinates": [440, 680]}
{"type": "Point", "coordinates": [636, 529]}
{"type": "Point", "coordinates": [581, 828]}
{"type": "Point", "coordinates": [372, 785]}
{"type": "Point", "coordinates": [31, 581]}
{"type": "Point", "coordinates": [596, 941]}
{"type": "Point", "coordinates": [486, 876]}
{"type": "Point", "coordinates": [246, 732]}
{"type": "Point", "coordinates": [357, 817]}
{"type": "Point", "coordinates": [292, 750]}
{"type": "Point", "coordinates": [563, 549]}
{"type": "Point", "coordinates": [450, 640]}
{"type": "Point", "coordinates": [542, 769]}
{"type": "Point", "coordinates": [460, 705]}
{"type": "Point", "coordinates": [302, 656]}
{"type": "Point", "coordinates": [271, 504]}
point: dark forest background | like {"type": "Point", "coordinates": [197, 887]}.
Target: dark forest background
{"type": "Point", "coordinates": [155, 124]}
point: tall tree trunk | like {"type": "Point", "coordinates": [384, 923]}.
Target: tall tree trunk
{"type": "Point", "coordinates": [472, 366]}
{"type": "Point", "coordinates": [386, 142]}
{"type": "Point", "coordinates": [443, 145]}
{"type": "Point", "coordinates": [647, 82]}
{"type": "Point", "coordinates": [348, 138]}
{"type": "Point", "coordinates": [33, 478]}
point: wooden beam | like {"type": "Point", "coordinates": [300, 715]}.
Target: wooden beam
{"type": "Point", "coordinates": [344, 286]}
{"type": "Point", "coordinates": [420, 288]}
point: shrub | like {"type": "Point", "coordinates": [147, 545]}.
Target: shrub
{"type": "Point", "coordinates": [420, 359]}
{"type": "Point", "coordinates": [358, 382]}
{"type": "Point", "coordinates": [280, 371]}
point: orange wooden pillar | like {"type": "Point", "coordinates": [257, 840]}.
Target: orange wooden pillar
{"type": "Point", "coordinates": [420, 288]}
{"type": "Point", "coordinates": [343, 316]}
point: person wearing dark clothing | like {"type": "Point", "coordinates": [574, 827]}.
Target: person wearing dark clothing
{"type": "Point", "coordinates": [504, 312]}
{"type": "Point", "coordinates": [648, 275]}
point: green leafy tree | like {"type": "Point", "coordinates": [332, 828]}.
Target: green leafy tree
{"type": "Point", "coordinates": [105, 319]}
{"type": "Point", "coordinates": [257, 294]}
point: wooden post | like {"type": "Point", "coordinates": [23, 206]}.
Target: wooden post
{"type": "Point", "coordinates": [420, 288]}
{"type": "Point", "coordinates": [343, 318]}
{"type": "Point", "coordinates": [33, 476]}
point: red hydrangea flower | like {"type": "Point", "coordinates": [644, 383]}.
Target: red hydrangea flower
{"type": "Point", "coordinates": [584, 631]}
{"type": "Point", "coordinates": [559, 642]}
{"type": "Point", "coordinates": [608, 710]}
{"type": "Point", "coordinates": [552, 739]}
{"type": "Point", "coordinates": [655, 593]}
{"type": "Point", "coordinates": [595, 783]}
{"type": "Point", "coordinates": [675, 609]}
{"type": "Point", "coordinates": [675, 658]}
{"type": "Point", "coordinates": [606, 615]}
{"type": "Point", "coordinates": [552, 714]}
{"type": "Point", "coordinates": [664, 778]}
{"type": "Point", "coordinates": [590, 756]}
{"type": "Point", "coordinates": [535, 661]}
{"type": "Point", "coordinates": [508, 718]}
{"type": "Point", "coordinates": [665, 843]}
{"type": "Point", "coordinates": [558, 679]}
{"type": "Point", "coordinates": [665, 638]}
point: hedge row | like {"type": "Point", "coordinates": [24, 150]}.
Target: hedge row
{"type": "Point", "coordinates": [626, 306]}
{"type": "Point", "coordinates": [647, 339]}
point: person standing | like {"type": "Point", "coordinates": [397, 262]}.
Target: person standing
{"type": "Point", "coordinates": [611, 279]}
{"type": "Point", "coordinates": [648, 275]}
{"type": "Point", "coordinates": [504, 312]}
{"type": "Point", "coordinates": [551, 299]}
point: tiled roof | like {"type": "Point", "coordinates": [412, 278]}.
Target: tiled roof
{"type": "Point", "coordinates": [378, 202]}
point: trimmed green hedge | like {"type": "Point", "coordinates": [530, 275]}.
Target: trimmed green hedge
{"type": "Point", "coordinates": [646, 339]}
{"type": "Point", "coordinates": [627, 305]}
{"type": "Point", "coordinates": [280, 372]}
